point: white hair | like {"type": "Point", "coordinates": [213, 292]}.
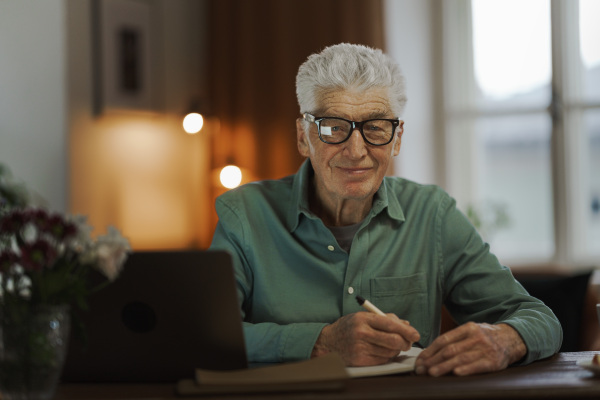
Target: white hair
{"type": "Point", "coordinates": [347, 66]}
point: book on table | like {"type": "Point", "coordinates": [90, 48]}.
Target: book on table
{"type": "Point", "coordinates": [322, 373]}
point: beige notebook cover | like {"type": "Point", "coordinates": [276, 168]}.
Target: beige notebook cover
{"type": "Point", "coordinates": [321, 373]}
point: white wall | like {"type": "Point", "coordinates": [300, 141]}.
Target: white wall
{"type": "Point", "coordinates": [33, 127]}
{"type": "Point", "coordinates": [410, 35]}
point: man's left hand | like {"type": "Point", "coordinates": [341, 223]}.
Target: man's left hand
{"type": "Point", "coordinates": [472, 348]}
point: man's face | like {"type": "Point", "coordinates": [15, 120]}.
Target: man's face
{"type": "Point", "coordinates": [352, 170]}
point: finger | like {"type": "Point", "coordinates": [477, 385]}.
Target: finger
{"type": "Point", "coordinates": [444, 341]}
{"type": "Point", "coordinates": [395, 317]}
{"type": "Point", "coordinates": [391, 341]}
{"type": "Point", "coordinates": [450, 350]}
{"type": "Point", "coordinates": [479, 366]}
{"type": "Point", "coordinates": [393, 324]}
{"type": "Point", "coordinates": [384, 353]}
{"type": "Point", "coordinates": [394, 341]}
{"type": "Point", "coordinates": [450, 364]}
{"type": "Point", "coordinates": [444, 348]}
{"type": "Point", "coordinates": [364, 354]}
{"type": "Point", "coordinates": [474, 362]}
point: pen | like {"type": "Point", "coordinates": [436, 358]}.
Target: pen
{"type": "Point", "coordinates": [372, 308]}
{"type": "Point", "coordinates": [369, 306]}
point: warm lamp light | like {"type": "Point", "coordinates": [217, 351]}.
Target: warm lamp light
{"type": "Point", "coordinates": [193, 122]}
{"type": "Point", "coordinates": [231, 176]}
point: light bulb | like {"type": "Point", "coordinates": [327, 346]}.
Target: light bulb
{"type": "Point", "coordinates": [192, 123]}
{"type": "Point", "coordinates": [231, 176]}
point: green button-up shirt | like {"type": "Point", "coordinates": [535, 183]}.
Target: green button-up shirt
{"type": "Point", "coordinates": [413, 252]}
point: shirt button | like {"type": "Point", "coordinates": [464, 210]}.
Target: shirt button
{"type": "Point", "coordinates": [330, 248]}
{"type": "Point", "coordinates": [350, 290]}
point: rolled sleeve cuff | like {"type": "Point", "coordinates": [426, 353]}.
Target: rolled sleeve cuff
{"type": "Point", "coordinates": [538, 346]}
{"type": "Point", "coordinates": [298, 341]}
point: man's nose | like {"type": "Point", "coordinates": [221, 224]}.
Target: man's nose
{"type": "Point", "coordinates": [357, 147]}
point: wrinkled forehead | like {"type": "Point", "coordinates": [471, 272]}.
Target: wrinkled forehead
{"type": "Point", "coordinates": [352, 104]}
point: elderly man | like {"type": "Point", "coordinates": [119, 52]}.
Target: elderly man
{"type": "Point", "coordinates": [305, 246]}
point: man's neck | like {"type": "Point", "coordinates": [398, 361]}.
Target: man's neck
{"type": "Point", "coordinates": [339, 212]}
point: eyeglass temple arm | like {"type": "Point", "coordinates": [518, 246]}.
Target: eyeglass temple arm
{"type": "Point", "coordinates": [308, 117]}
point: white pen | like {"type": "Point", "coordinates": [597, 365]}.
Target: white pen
{"type": "Point", "coordinates": [372, 308]}
{"type": "Point", "coordinates": [369, 306]}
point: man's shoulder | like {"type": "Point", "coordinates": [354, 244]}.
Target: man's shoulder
{"type": "Point", "coordinates": [418, 201]}
{"type": "Point", "coordinates": [254, 192]}
{"type": "Point", "coordinates": [405, 188]}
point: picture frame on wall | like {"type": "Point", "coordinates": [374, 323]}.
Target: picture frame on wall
{"type": "Point", "coordinates": [124, 59]}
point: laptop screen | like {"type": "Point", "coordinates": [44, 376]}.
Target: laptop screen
{"type": "Point", "coordinates": [168, 313]}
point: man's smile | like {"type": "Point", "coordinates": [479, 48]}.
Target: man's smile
{"type": "Point", "coordinates": [355, 170]}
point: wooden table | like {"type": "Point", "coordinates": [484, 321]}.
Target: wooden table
{"type": "Point", "coordinates": [558, 377]}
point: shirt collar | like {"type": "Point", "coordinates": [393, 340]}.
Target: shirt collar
{"type": "Point", "coordinates": [299, 205]}
{"type": "Point", "coordinates": [386, 199]}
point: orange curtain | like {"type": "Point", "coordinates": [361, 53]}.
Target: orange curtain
{"type": "Point", "coordinates": [256, 48]}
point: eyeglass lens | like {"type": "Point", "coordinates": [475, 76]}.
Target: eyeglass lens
{"type": "Point", "coordinates": [376, 131]}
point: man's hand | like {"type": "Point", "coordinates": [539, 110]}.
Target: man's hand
{"type": "Point", "coordinates": [470, 349]}
{"type": "Point", "coordinates": [365, 338]}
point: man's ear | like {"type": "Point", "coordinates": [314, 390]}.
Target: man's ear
{"type": "Point", "coordinates": [302, 139]}
{"type": "Point", "coordinates": [397, 143]}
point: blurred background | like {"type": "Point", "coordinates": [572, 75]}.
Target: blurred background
{"type": "Point", "coordinates": [503, 109]}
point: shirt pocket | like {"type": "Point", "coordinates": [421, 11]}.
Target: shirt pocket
{"type": "Point", "coordinates": [405, 296]}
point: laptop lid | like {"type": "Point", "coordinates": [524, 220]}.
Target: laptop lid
{"type": "Point", "coordinates": [168, 313]}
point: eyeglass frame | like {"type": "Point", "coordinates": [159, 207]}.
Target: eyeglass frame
{"type": "Point", "coordinates": [355, 125]}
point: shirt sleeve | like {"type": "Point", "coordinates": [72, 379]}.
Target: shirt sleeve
{"type": "Point", "coordinates": [478, 288]}
{"type": "Point", "coordinates": [266, 342]}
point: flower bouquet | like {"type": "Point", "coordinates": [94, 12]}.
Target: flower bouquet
{"type": "Point", "coordinates": [46, 262]}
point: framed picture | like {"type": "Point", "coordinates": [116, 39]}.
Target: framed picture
{"type": "Point", "coordinates": [125, 55]}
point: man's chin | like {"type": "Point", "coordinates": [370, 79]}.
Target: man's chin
{"type": "Point", "coordinates": [357, 191]}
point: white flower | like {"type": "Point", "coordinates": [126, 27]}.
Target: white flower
{"type": "Point", "coordinates": [82, 242]}
{"type": "Point", "coordinates": [111, 251]}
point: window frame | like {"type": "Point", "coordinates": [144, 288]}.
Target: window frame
{"type": "Point", "coordinates": [566, 109]}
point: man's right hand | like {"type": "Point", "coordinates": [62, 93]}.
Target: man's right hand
{"type": "Point", "coordinates": [364, 338]}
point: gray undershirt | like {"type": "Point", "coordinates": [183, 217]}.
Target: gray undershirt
{"type": "Point", "coordinates": [344, 235]}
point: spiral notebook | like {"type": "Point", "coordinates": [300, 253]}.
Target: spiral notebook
{"type": "Point", "coordinates": [167, 314]}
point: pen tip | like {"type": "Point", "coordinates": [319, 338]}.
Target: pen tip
{"type": "Point", "coordinates": [360, 300]}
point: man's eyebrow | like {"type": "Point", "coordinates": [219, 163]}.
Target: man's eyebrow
{"type": "Point", "coordinates": [378, 114]}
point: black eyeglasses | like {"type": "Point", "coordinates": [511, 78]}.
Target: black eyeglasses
{"type": "Point", "coordinates": [334, 130]}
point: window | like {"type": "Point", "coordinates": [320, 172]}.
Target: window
{"type": "Point", "coordinates": [589, 33]}
{"type": "Point", "coordinates": [522, 105]}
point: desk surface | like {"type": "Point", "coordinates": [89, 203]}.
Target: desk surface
{"type": "Point", "coordinates": [558, 377]}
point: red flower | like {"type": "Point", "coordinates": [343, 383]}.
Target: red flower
{"type": "Point", "coordinates": [12, 222]}
{"type": "Point", "coordinates": [60, 228]}
{"type": "Point", "coordinates": [39, 218]}
{"type": "Point", "coordinates": [37, 255]}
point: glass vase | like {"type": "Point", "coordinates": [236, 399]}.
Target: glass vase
{"type": "Point", "coordinates": [33, 345]}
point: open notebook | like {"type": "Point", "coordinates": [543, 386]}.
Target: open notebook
{"type": "Point", "coordinates": [405, 362]}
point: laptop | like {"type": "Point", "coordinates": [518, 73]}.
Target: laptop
{"type": "Point", "coordinates": [168, 313]}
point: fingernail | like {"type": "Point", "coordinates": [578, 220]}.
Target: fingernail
{"type": "Point", "coordinates": [420, 370]}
